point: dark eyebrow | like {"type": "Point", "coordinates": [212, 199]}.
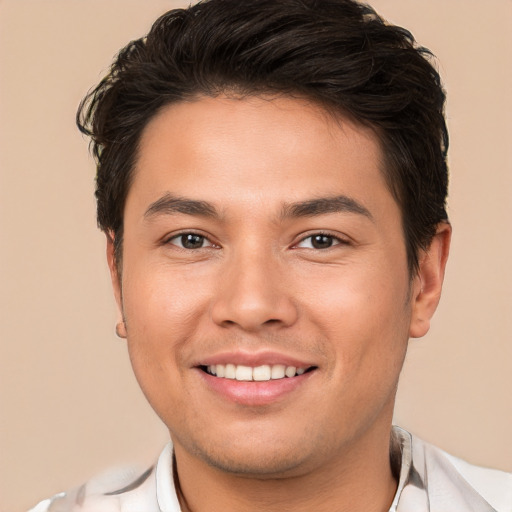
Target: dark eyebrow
{"type": "Point", "coordinates": [324, 205]}
{"type": "Point", "coordinates": [169, 204]}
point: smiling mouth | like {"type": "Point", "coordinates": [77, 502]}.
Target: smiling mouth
{"type": "Point", "coordinates": [255, 373]}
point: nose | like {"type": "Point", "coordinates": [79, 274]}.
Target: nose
{"type": "Point", "coordinates": [253, 294]}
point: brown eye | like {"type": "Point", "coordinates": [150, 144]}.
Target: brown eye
{"type": "Point", "coordinates": [320, 241]}
{"type": "Point", "coordinates": [190, 241]}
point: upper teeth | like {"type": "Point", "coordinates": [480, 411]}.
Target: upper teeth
{"type": "Point", "coordinates": [258, 373]}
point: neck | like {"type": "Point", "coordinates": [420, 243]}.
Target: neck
{"type": "Point", "coordinates": [358, 479]}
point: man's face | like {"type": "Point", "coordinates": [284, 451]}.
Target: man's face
{"type": "Point", "coordinates": [260, 233]}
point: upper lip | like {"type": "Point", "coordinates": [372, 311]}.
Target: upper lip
{"type": "Point", "coordinates": [254, 359]}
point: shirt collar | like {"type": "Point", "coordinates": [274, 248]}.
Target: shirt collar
{"type": "Point", "coordinates": [427, 481]}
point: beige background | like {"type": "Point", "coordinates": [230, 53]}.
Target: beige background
{"type": "Point", "coordinates": [69, 405]}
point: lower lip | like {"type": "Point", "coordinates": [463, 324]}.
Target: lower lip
{"type": "Point", "coordinates": [255, 392]}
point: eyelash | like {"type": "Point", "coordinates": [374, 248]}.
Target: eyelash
{"type": "Point", "coordinates": [335, 240]}
{"type": "Point", "coordinates": [185, 233]}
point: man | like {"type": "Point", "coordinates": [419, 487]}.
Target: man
{"type": "Point", "coordinates": [272, 183]}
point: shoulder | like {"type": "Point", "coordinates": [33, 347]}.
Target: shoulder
{"type": "Point", "coordinates": [123, 489]}
{"type": "Point", "coordinates": [450, 476]}
{"type": "Point", "coordinates": [494, 485]}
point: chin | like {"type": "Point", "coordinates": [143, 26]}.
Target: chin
{"type": "Point", "coordinates": [250, 456]}
{"type": "Point", "coordinates": [270, 465]}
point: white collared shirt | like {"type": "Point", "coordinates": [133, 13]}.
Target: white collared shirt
{"type": "Point", "coordinates": [430, 481]}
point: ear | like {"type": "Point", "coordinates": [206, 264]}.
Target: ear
{"type": "Point", "coordinates": [428, 282]}
{"type": "Point", "coordinates": [116, 284]}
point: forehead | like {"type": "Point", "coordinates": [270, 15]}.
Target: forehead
{"type": "Point", "coordinates": [279, 149]}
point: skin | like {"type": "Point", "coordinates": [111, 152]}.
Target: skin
{"type": "Point", "coordinates": [257, 283]}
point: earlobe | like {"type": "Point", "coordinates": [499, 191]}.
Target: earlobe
{"type": "Point", "coordinates": [116, 283]}
{"type": "Point", "coordinates": [121, 330]}
{"type": "Point", "coordinates": [428, 282]}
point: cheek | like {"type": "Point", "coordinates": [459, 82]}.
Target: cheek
{"type": "Point", "coordinates": [160, 298]}
{"type": "Point", "coordinates": [365, 315]}
{"type": "Point", "coordinates": [161, 309]}
{"type": "Point", "coordinates": [156, 320]}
